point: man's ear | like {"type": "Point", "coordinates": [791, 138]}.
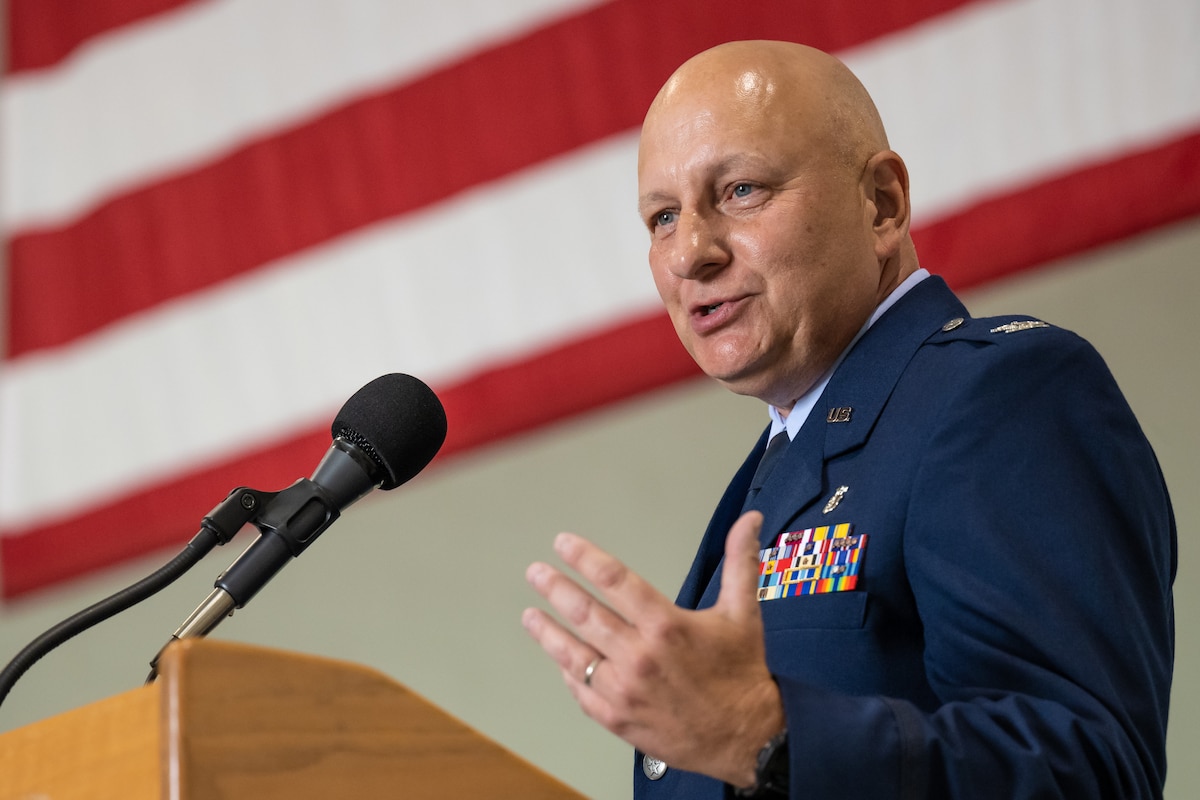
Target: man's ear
{"type": "Point", "coordinates": [886, 183]}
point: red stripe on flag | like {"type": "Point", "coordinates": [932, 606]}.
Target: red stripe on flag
{"type": "Point", "coordinates": [566, 380]}
{"type": "Point", "coordinates": [589, 373]}
{"type": "Point", "coordinates": [552, 91]}
{"type": "Point", "coordinates": [155, 516]}
{"type": "Point", "coordinates": [44, 32]}
{"type": "Point", "coordinates": [1064, 215]}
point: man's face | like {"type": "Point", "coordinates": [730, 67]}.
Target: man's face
{"type": "Point", "coordinates": [761, 241]}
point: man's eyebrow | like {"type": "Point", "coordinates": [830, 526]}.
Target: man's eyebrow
{"type": "Point", "coordinates": [719, 169]}
{"type": "Point", "coordinates": [654, 199]}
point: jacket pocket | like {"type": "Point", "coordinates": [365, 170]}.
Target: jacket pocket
{"type": "Point", "coordinates": [831, 611]}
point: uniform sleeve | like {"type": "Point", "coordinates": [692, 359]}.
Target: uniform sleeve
{"type": "Point", "coordinates": [1040, 548]}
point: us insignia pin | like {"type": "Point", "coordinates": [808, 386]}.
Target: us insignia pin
{"type": "Point", "coordinates": [840, 414]}
{"type": "Point", "coordinates": [811, 561]}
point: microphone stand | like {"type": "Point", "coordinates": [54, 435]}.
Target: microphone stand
{"type": "Point", "coordinates": [219, 527]}
{"type": "Point", "coordinates": [288, 522]}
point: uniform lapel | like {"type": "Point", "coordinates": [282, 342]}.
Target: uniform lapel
{"type": "Point", "coordinates": [841, 420]}
{"type": "Point", "coordinates": [870, 372]}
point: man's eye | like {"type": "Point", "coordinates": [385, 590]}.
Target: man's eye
{"type": "Point", "coordinates": [664, 218]}
{"type": "Point", "coordinates": [742, 189]}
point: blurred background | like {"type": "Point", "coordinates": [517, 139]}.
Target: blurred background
{"type": "Point", "coordinates": [222, 217]}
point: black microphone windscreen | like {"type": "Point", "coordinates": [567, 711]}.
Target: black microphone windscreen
{"type": "Point", "coordinates": [398, 421]}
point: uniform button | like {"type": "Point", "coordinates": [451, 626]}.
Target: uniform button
{"type": "Point", "coordinates": [952, 324]}
{"type": "Point", "coordinates": [653, 768]}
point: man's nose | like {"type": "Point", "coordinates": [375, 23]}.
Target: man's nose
{"type": "Point", "coordinates": [701, 246]}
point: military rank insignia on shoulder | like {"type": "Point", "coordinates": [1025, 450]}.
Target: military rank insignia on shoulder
{"type": "Point", "coordinates": [811, 561]}
{"type": "Point", "coordinates": [985, 329]}
{"type": "Point", "coordinates": [1020, 325]}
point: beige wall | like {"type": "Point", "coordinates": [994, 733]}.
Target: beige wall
{"type": "Point", "coordinates": [425, 583]}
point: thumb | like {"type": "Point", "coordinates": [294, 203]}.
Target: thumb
{"type": "Point", "coordinates": [739, 575]}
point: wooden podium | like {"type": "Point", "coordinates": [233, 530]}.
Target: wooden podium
{"type": "Point", "coordinates": [231, 721]}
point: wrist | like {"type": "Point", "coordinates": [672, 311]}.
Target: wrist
{"type": "Point", "coordinates": [772, 770]}
{"type": "Point", "coordinates": [765, 723]}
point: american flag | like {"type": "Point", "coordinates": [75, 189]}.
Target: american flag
{"type": "Point", "coordinates": [221, 217]}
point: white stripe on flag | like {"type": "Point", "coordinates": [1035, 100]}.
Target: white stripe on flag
{"type": "Point", "coordinates": [436, 294]}
{"type": "Point", "coordinates": [185, 86]}
{"type": "Point", "coordinates": [998, 96]}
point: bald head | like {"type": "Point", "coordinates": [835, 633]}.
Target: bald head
{"type": "Point", "coordinates": [781, 85]}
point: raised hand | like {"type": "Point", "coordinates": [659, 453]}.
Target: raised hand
{"type": "Point", "coordinates": [689, 687]}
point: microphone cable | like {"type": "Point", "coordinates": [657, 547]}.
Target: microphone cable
{"type": "Point", "coordinates": [200, 545]}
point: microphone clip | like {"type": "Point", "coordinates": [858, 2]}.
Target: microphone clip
{"type": "Point", "coordinates": [288, 522]}
{"type": "Point", "coordinates": [239, 508]}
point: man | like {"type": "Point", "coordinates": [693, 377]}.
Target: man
{"type": "Point", "coordinates": [995, 537]}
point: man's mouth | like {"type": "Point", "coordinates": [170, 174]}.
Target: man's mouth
{"type": "Point", "coordinates": [706, 310]}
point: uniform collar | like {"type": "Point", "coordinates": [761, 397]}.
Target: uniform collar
{"type": "Point", "coordinates": [803, 407]}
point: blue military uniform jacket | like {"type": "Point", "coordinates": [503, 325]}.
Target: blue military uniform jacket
{"type": "Point", "coordinates": [1010, 634]}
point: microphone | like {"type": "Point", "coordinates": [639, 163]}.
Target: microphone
{"type": "Point", "coordinates": [386, 433]}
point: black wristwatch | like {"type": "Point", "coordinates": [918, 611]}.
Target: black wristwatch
{"type": "Point", "coordinates": [771, 772]}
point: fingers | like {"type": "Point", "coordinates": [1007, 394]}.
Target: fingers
{"type": "Point", "coordinates": [583, 669]}
{"type": "Point", "coordinates": [591, 627]}
{"type": "Point", "coordinates": [572, 655]}
{"type": "Point", "coordinates": [593, 621]}
{"type": "Point", "coordinates": [592, 632]}
{"type": "Point", "coordinates": [739, 581]}
{"type": "Point", "coordinates": [628, 593]}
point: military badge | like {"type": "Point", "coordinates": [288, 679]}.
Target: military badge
{"type": "Point", "coordinates": [811, 561]}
